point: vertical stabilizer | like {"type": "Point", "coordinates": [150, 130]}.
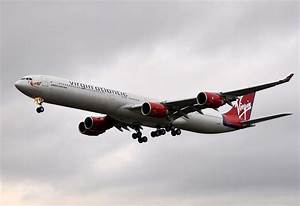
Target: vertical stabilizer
{"type": "Point", "coordinates": [240, 111]}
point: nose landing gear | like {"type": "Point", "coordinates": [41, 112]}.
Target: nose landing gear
{"type": "Point", "coordinates": [40, 109]}
{"type": "Point", "coordinates": [39, 101]}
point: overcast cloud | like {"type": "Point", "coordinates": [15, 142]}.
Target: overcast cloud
{"type": "Point", "coordinates": [162, 50]}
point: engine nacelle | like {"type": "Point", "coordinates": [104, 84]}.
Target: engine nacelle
{"type": "Point", "coordinates": [210, 99]}
{"type": "Point", "coordinates": [94, 126]}
{"type": "Point", "coordinates": [154, 109]}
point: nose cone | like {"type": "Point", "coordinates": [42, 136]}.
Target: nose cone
{"type": "Point", "coordinates": [20, 85]}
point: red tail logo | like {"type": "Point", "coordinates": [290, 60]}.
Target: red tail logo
{"type": "Point", "coordinates": [241, 110]}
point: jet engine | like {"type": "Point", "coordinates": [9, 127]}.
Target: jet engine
{"type": "Point", "coordinates": [210, 99]}
{"type": "Point", "coordinates": [154, 109]}
{"type": "Point", "coordinates": [94, 126]}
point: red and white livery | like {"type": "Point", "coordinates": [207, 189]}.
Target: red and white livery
{"type": "Point", "coordinates": [131, 112]}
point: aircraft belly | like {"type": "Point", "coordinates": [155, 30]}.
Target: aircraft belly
{"type": "Point", "coordinates": [202, 124]}
{"type": "Point", "coordinates": [136, 117]}
{"type": "Point", "coordinates": [85, 100]}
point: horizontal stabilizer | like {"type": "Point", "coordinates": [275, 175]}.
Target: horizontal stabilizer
{"type": "Point", "coordinates": [254, 121]}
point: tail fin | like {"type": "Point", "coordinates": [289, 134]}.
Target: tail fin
{"type": "Point", "coordinates": [240, 111]}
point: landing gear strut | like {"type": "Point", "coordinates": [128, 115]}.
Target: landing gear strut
{"type": "Point", "coordinates": [39, 101]}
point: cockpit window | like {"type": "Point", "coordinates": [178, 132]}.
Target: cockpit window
{"type": "Point", "coordinates": [26, 78]}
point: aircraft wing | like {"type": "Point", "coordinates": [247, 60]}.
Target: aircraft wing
{"type": "Point", "coordinates": [245, 91]}
{"type": "Point", "coordinates": [183, 107]}
{"type": "Point", "coordinates": [179, 108]}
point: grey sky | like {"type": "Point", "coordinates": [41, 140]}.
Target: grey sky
{"type": "Point", "coordinates": [162, 50]}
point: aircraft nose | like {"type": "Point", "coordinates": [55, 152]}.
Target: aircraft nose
{"type": "Point", "coordinates": [19, 85]}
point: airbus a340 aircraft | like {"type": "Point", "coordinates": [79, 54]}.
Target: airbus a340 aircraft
{"type": "Point", "coordinates": [127, 111]}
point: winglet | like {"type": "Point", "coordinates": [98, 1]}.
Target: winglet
{"type": "Point", "coordinates": [287, 78]}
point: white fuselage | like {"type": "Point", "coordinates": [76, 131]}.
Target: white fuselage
{"type": "Point", "coordinates": [114, 103]}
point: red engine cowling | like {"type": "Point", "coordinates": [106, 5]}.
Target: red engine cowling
{"type": "Point", "coordinates": [94, 126]}
{"type": "Point", "coordinates": [154, 109]}
{"type": "Point", "coordinates": [210, 99]}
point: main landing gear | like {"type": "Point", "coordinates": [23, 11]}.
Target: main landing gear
{"type": "Point", "coordinates": [138, 135]}
{"type": "Point", "coordinates": [39, 101]}
{"type": "Point", "coordinates": [158, 132]}
{"type": "Point", "coordinates": [174, 131]}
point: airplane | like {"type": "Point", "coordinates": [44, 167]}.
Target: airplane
{"type": "Point", "coordinates": [126, 111]}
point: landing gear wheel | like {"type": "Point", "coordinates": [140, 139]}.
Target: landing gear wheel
{"type": "Point", "coordinates": [140, 140]}
{"type": "Point", "coordinates": [153, 134]}
{"type": "Point", "coordinates": [178, 131]}
{"type": "Point", "coordinates": [173, 133]}
{"type": "Point", "coordinates": [172, 128]}
{"type": "Point", "coordinates": [162, 132]}
{"type": "Point", "coordinates": [157, 133]}
{"type": "Point", "coordinates": [40, 109]}
{"type": "Point", "coordinates": [145, 139]}
{"type": "Point", "coordinates": [168, 128]}
{"type": "Point", "coordinates": [134, 136]}
{"type": "Point", "coordinates": [139, 134]}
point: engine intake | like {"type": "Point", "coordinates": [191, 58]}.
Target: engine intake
{"type": "Point", "coordinates": [84, 130]}
{"type": "Point", "coordinates": [210, 99]}
{"type": "Point", "coordinates": [97, 123]}
{"type": "Point", "coordinates": [154, 109]}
